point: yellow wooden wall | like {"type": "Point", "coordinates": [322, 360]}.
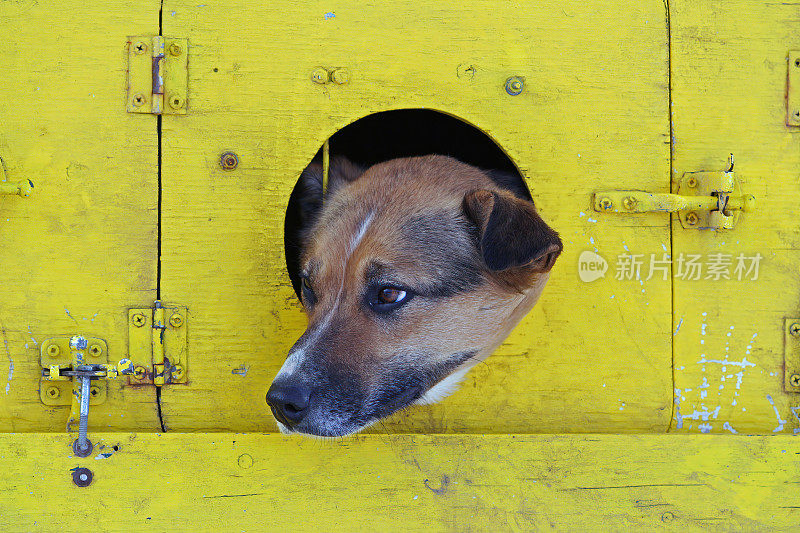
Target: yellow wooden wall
{"type": "Point", "coordinates": [616, 97]}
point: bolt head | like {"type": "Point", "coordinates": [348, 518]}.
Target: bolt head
{"type": "Point", "coordinates": [139, 320]}
{"type": "Point", "coordinates": [140, 48]}
{"type": "Point", "coordinates": [606, 203]}
{"type": "Point", "coordinates": [691, 182]}
{"type": "Point", "coordinates": [139, 100]}
{"type": "Point", "coordinates": [94, 390]}
{"type": "Point", "coordinates": [82, 477]}
{"type": "Point", "coordinates": [514, 85]}
{"type": "Point", "coordinates": [95, 350]}
{"type": "Point", "coordinates": [175, 49]}
{"type": "Point", "coordinates": [176, 320]}
{"type": "Point", "coordinates": [320, 75]}
{"type": "Point", "coordinates": [340, 76]}
{"type": "Point", "coordinates": [629, 203]}
{"type": "Point", "coordinates": [53, 350]}
{"type": "Point", "coordinates": [692, 219]}
{"type": "Point", "coordinates": [140, 372]}
{"type": "Point", "coordinates": [177, 372]}
{"type": "Point", "coordinates": [53, 392]}
{"type": "Point", "coordinates": [794, 329]}
{"type": "Point", "coordinates": [794, 379]}
{"type": "Point", "coordinates": [82, 452]}
{"type": "Point", "coordinates": [229, 161]}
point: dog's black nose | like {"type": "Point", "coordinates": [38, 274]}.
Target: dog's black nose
{"type": "Point", "coordinates": [289, 402]}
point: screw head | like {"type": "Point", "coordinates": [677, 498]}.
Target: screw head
{"type": "Point", "coordinates": [175, 49]}
{"type": "Point", "coordinates": [177, 372]}
{"type": "Point", "coordinates": [176, 101]}
{"type": "Point", "coordinates": [94, 391]}
{"type": "Point", "coordinates": [139, 100]}
{"type": "Point", "coordinates": [794, 329]}
{"type": "Point", "coordinates": [320, 75]}
{"type": "Point", "coordinates": [176, 320]}
{"type": "Point", "coordinates": [629, 203]}
{"type": "Point", "coordinates": [794, 379]}
{"type": "Point", "coordinates": [465, 71]}
{"type": "Point", "coordinates": [140, 48]}
{"type": "Point", "coordinates": [691, 182]}
{"type": "Point", "coordinates": [691, 218]}
{"type": "Point", "coordinates": [605, 203]}
{"type": "Point", "coordinates": [95, 350]}
{"type": "Point", "coordinates": [228, 161]}
{"type": "Point", "coordinates": [53, 392]}
{"type": "Point", "coordinates": [82, 477]}
{"type": "Point", "coordinates": [340, 76]}
{"type": "Point", "coordinates": [139, 372]}
{"type": "Point", "coordinates": [514, 85]}
{"type": "Point", "coordinates": [139, 320]}
{"type": "Point", "coordinates": [53, 350]}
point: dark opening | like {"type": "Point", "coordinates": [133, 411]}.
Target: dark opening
{"type": "Point", "coordinates": [404, 133]}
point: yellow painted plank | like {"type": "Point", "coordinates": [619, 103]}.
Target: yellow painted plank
{"type": "Point", "coordinates": [729, 79]}
{"type": "Point", "coordinates": [203, 482]}
{"type": "Point", "coordinates": [594, 115]}
{"type": "Point", "coordinates": [82, 248]}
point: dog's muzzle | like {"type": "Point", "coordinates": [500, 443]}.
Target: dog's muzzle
{"type": "Point", "coordinates": [289, 402]}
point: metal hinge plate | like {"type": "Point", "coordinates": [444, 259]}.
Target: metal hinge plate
{"type": "Point", "coordinates": [158, 75]}
{"type": "Point", "coordinates": [157, 345]}
{"type": "Point", "coordinates": [56, 354]}
{"type": "Point", "coordinates": [793, 89]}
{"type": "Point", "coordinates": [791, 354]}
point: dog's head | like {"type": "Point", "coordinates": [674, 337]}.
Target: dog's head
{"type": "Point", "coordinates": [411, 272]}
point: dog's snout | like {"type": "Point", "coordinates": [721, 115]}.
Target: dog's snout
{"type": "Point", "coordinates": [289, 402]}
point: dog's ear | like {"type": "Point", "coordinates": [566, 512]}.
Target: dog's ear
{"type": "Point", "coordinates": [511, 234]}
{"type": "Point", "coordinates": [305, 203]}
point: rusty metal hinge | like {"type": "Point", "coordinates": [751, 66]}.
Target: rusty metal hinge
{"type": "Point", "coordinates": [706, 200]}
{"type": "Point", "coordinates": [158, 75]}
{"type": "Point", "coordinates": [793, 89]}
{"type": "Point", "coordinates": [791, 354]}
{"type": "Point", "coordinates": [157, 345]}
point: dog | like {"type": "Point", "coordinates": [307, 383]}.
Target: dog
{"type": "Point", "coordinates": [411, 272]}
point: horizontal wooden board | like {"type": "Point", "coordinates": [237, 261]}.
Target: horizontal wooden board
{"type": "Point", "coordinates": [250, 482]}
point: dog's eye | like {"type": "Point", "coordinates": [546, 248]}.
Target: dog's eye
{"type": "Point", "coordinates": [388, 298]}
{"type": "Point", "coordinates": [309, 298]}
{"type": "Point", "coordinates": [391, 295]}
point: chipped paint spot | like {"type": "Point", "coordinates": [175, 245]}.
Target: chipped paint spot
{"type": "Point", "coordinates": [781, 422]}
{"type": "Point", "coordinates": [329, 15]}
{"type": "Point", "coordinates": [241, 370]}
{"type": "Point", "coordinates": [678, 327]}
{"type": "Point", "coordinates": [727, 425]}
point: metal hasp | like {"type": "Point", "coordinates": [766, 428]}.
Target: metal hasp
{"type": "Point", "coordinates": [73, 373]}
{"type": "Point", "coordinates": [158, 75]}
{"type": "Point", "coordinates": [157, 345]}
{"type": "Point", "coordinates": [793, 89]}
{"type": "Point", "coordinates": [791, 354]}
{"type": "Point", "coordinates": [706, 200]}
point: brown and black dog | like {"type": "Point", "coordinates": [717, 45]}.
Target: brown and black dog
{"type": "Point", "coordinates": [411, 272]}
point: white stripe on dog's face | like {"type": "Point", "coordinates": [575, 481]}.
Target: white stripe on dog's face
{"type": "Point", "coordinates": [298, 354]}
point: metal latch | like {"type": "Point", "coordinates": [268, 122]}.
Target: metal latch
{"type": "Point", "coordinates": [74, 370]}
{"type": "Point", "coordinates": [157, 345]}
{"type": "Point", "coordinates": [158, 75]}
{"type": "Point", "coordinates": [791, 354]}
{"type": "Point", "coordinates": [706, 200]}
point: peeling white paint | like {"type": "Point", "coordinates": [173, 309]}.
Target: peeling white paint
{"type": "Point", "coordinates": [781, 422]}
{"type": "Point", "coordinates": [727, 425]}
